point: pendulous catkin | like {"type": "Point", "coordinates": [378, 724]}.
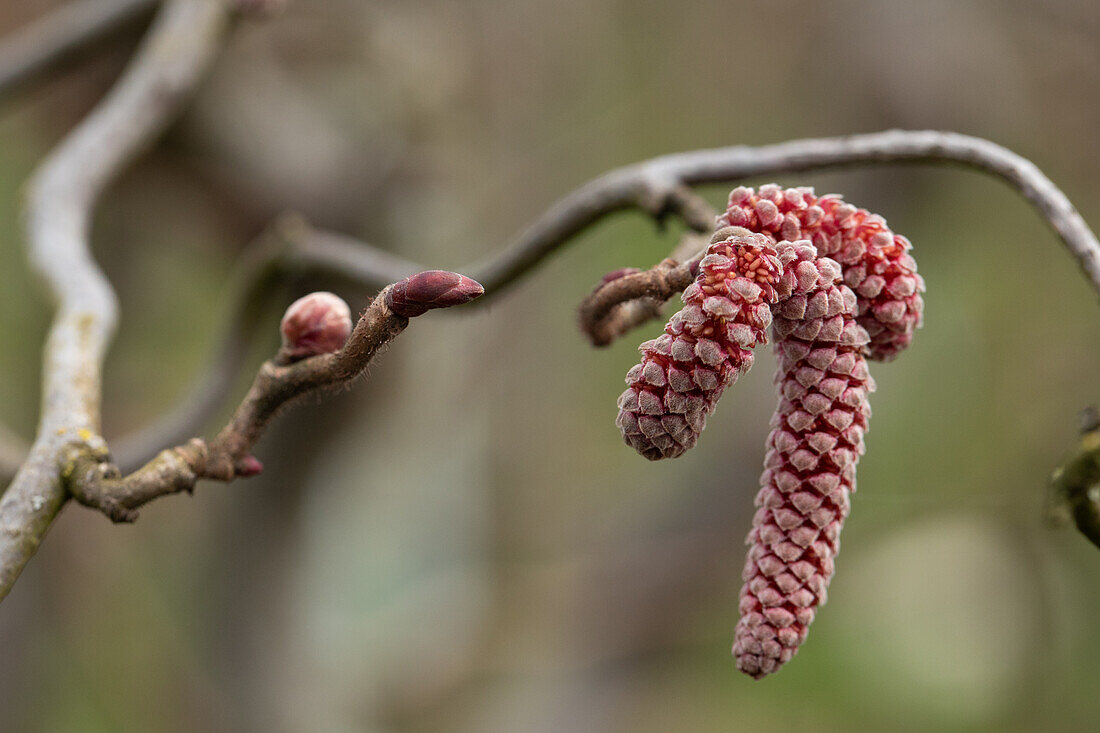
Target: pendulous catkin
{"type": "Point", "coordinates": [704, 349]}
{"type": "Point", "coordinates": [838, 287]}
{"type": "Point", "coordinates": [810, 467]}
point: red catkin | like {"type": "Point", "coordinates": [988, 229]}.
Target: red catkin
{"type": "Point", "coordinates": [876, 262]}
{"type": "Point", "coordinates": [838, 288]}
{"type": "Point", "coordinates": [810, 467]}
{"type": "Point", "coordinates": [706, 346]}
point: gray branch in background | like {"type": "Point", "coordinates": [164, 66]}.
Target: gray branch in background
{"type": "Point", "coordinates": [13, 451]}
{"type": "Point", "coordinates": [649, 185]}
{"type": "Point", "coordinates": [54, 40]}
{"type": "Point", "coordinates": [60, 200]}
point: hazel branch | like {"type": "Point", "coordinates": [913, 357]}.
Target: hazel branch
{"type": "Point", "coordinates": [656, 179]}
{"type": "Point", "coordinates": [290, 247]}
{"type": "Point", "coordinates": [61, 198]}
{"type": "Point", "coordinates": [31, 52]}
{"type": "Point", "coordinates": [311, 359]}
{"type": "Point", "coordinates": [625, 299]}
{"type": "Point", "coordinates": [656, 186]}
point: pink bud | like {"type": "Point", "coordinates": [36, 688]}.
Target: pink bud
{"type": "Point", "coordinates": [425, 291]}
{"type": "Point", "coordinates": [318, 323]}
{"type": "Point", "coordinates": [249, 466]}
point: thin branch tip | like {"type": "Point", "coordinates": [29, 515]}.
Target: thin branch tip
{"type": "Point", "coordinates": [95, 482]}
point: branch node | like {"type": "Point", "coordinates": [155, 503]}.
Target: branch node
{"type": "Point", "coordinates": [627, 298]}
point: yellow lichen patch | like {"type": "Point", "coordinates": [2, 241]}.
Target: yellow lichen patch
{"type": "Point", "coordinates": [85, 434]}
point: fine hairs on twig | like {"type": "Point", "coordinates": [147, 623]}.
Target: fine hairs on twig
{"type": "Point", "coordinates": [69, 458]}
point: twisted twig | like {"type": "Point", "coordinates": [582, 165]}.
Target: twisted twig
{"type": "Point", "coordinates": [61, 198]}
{"type": "Point", "coordinates": [289, 247]}
{"type": "Point", "coordinates": [49, 42]}
{"type": "Point", "coordinates": [628, 298]}
{"type": "Point", "coordinates": [625, 299]}
{"type": "Point", "coordinates": [94, 481]}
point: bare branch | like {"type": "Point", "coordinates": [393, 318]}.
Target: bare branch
{"type": "Point", "coordinates": [641, 184]}
{"type": "Point", "coordinates": [94, 481]}
{"type": "Point", "coordinates": [657, 186]}
{"type": "Point", "coordinates": [290, 246]}
{"type": "Point", "coordinates": [317, 250]}
{"type": "Point", "coordinates": [627, 298]}
{"type": "Point", "coordinates": [255, 282]}
{"type": "Point", "coordinates": [61, 197]}
{"type": "Point", "coordinates": [33, 51]}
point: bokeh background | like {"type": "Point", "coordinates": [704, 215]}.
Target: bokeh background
{"type": "Point", "coordinates": [462, 543]}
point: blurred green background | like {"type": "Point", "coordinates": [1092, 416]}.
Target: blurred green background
{"type": "Point", "coordinates": [463, 543]}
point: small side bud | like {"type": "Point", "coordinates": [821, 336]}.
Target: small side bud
{"type": "Point", "coordinates": [425, 291]}
{"type": "Point", "coordinates": [318, 323]}
{"type": "Point", "coordinates": [249, 466]}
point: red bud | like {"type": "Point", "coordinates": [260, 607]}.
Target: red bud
{"type": "Point", "coordinates": [318, 323]}
{"type": "Point", "coordinates": [249, 466]}
{"type": "Point", "coordinates": [425, 291]}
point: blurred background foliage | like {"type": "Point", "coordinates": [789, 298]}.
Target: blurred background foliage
{"type": "Point", "coordinates": [462, 543]}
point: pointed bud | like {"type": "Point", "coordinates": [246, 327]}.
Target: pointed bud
{"type": "Point", "coordinates": [318, 323]}
{"type": "Point", "coordinates": [425, 291]}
